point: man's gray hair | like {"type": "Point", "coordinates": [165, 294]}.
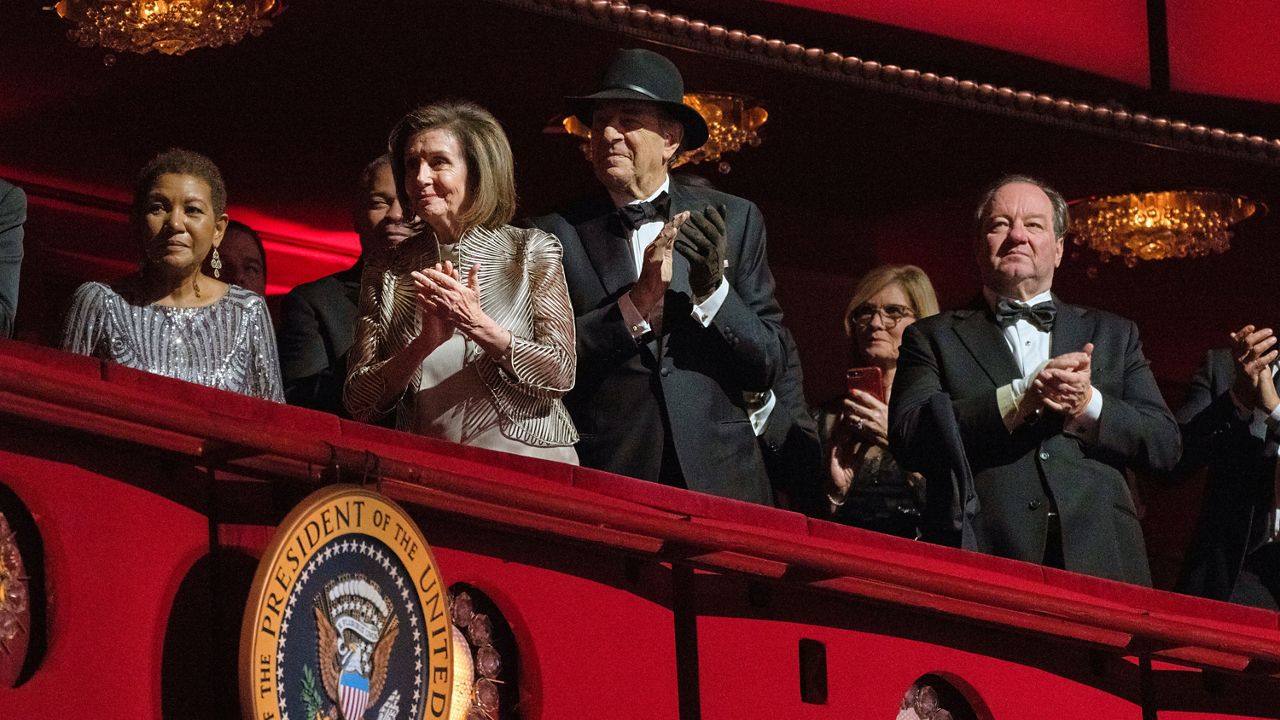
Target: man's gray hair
{"type": "Point", "coordinates": [1061, 219]}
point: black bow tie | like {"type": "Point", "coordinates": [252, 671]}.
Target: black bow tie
{"type": "Point", "coordinates": [637, 214]}
{"type": "Point", "coordinates": [1041, 314]}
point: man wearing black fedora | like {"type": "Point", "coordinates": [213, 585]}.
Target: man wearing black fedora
{"type": "Point", "coordinates": [673, 296]}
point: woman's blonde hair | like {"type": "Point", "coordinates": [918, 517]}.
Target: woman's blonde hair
{"type": "Point", "coordinates": [914, 283]}
{"type": "Point", "coordinates": [491, 181]}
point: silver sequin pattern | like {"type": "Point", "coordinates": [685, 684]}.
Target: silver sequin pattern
{"type": "Point", "coordinates": [229, 345]}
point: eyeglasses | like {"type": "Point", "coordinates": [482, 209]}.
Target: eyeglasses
{"type": "Point", "coordinates": [892, 314]}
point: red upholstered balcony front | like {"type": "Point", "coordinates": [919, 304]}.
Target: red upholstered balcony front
{"type": "Point", "coordinates": [626, 599]}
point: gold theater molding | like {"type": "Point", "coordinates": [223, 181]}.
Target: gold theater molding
{"type": "Point", "coordinates": [660, 26]}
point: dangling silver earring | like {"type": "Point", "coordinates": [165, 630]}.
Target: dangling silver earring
{"type": "Point", "coordinates": [216, 264]}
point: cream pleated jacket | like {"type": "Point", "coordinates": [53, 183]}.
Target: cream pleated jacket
{"type": "Point", "coordinates": [522, 288]}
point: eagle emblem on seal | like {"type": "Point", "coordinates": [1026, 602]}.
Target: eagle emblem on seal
{"type": "Point", "coordinates": [355, 630]}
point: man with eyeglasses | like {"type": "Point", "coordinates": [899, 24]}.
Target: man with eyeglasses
{"type": "Point", "coordinates": [1231, 423]}
{"type": "Point", "coordinates": [1050, 402]}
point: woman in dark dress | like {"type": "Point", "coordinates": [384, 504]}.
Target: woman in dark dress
{"type": "Point", "coordinates": [863, 484]}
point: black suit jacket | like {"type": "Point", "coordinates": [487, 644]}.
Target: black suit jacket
{"type": "Point", "coordinates": [789, 441]}
{"type": "Point", "coordinates": [317, 329]}
{"type": "Point", "coordinates": [13, 213]}
{"type": "Point", "coordinates": [1239, 489]}
{"type": "Point", "coordinates": [687, 387]}
{"type": "Point", "coordinates": [1015, 475]}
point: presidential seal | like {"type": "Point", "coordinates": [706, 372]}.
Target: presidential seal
{"type": "Point", "coordinates": [348, 617]}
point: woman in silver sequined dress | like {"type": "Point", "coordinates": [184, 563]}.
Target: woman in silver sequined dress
{"type": "Point", "coordinates": [169, 318]}
{"type": "Point", "coordinates": [465, 331]}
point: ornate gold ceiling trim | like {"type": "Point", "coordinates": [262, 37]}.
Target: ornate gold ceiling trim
{"type": "Point", "coordinates": [659, 26]}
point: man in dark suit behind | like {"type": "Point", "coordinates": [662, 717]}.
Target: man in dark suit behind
{"type": "Point", "coordinates": [1231, 422]}
{"type": "Point", "coordinates": [786, 430]}
{"type": "Point", "coordinates": [318, 318]}
{"type": "Point", "coordinates": [673, 295]}
{"type": "Point", "coordinates": [1052, 402]}
{"type": "Point", "coordinates": [13, 213]}
{"type": "Point", "coordinates": [788, 435]}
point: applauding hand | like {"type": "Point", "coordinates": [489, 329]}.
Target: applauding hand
{"type": "Point", "coordinates": [703, 243]}
{"type": "Point", "coordinates": [445, 293]}
{"type": "Point", "coordinates": [441, 290]}
{"type": "Point", "coordinates": [655, 269]}
{"type": "Point", "coordinates": [436, 327]}
{"type": "Point", "coordinates": [1064, 385]}
{"type": "Point", "coordinates": [1254, 351]}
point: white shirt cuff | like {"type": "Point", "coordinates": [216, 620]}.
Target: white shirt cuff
{"type": "Point", "coordinates": [1265, 424]}
{"type": "Point", "coordinates": [760, 416]}
{"type": "Point", "coordinates": [1085, 425]}
{"type": "Point", "coordinates": [1274, 418]}
{"type": "Point", "coordinates": [1009, 399]}
{"type": "Point", "coordinates": [705, 311]}
{"type": "Point", "coordinates": [637, 324]}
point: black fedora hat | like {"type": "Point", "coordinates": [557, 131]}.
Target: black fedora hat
{"type": "Point", "coordinates": [649, 77]}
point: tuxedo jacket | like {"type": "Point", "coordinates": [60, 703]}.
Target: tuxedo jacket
{"type": "Point", "coordinates": [1240, 486]}
{"type": "Point", "coordinates": [685, 388]}
{"type": "Point", "coordinates": [789, 439]}
{"type": "Point", "coordinates": [13, 213]}
{"type": "Point", "coordinates": [317, 328]}
{"type": "Point", "coordinates": [1017, 475]}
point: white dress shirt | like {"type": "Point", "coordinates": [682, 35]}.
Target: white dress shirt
{"type": "Point", "coordinates": [758, 405]}
{"type": "Point", "coordinates": [1031, 346]}
{"type": "Point", "coordinates": [640, 238]}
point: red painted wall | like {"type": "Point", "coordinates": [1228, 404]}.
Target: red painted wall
{"type": "Point", "coordinates": [1227, 49]}
{"type": "Point", "coordinates": [1106, 37]}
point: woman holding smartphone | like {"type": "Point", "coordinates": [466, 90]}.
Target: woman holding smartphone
{"type": "Point", "coordinates": [864, 486]}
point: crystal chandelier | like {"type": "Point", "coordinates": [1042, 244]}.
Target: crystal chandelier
{"type": "Point", "coordinates": [171, 27]}
{"type": "Point", "coordinates": [1159, 225]}
{"type": "Point", "coordinates": [732, 121]}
